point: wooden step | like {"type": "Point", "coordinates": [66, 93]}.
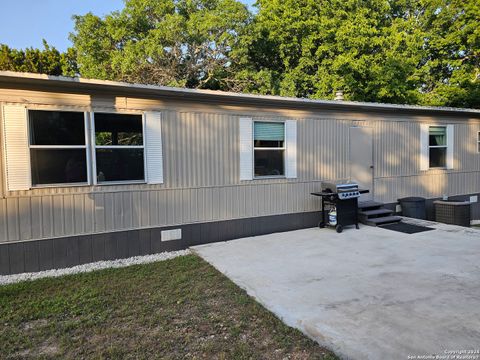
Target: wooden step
{"type": "Point", "coordinates": [369, 205]}
{"type": "Point", "coordinates": [383, 220]}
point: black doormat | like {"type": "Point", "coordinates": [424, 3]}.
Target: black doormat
{"type": "Point", "coordinates": [406, 228]}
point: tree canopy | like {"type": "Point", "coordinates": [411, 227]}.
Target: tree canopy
{"type": "Point", "coordinates": [46, 61]}
{"type": "Point", "coordinates": [397, 51]}
{"type": "Point", "coordinates": [167, 42]}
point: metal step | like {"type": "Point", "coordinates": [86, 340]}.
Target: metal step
{"type": "Point", "coordinates": [369, 205]}
{"type": "Point", "coordinates": [383, 220]}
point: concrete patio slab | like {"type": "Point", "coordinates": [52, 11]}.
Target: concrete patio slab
{"type": "Point", "coordinates": [365, 294]}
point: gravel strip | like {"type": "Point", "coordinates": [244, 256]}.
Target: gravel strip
{"type": "Point", "coordinates": [11, 279]}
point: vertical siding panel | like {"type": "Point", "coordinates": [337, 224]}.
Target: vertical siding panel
{"type": "Point", "coordinates": [79, 213]}
{"type": "Point", "coordinates": [162, 208]}
{"type": "Point", "coordinates": [89, 216]}
{"type": "Point", "coordinates": [58, 217]}
{"type": "Point", "coordinates": [118, 211]}
{"type": "Point", "coordinates": [25, 219]}
{"type": "Point", "coordinates": [170, 207]}
{"type": "Point", "coordinates": [12, 219]}
{"type": "Point", "coordinates": [69, 215]}
{"type": "Point", "coordinates": [3, 221]}
{"type": "Point", "coordinates": [153, 206]}
{"type": "Point", "coordinates": [136, 209]}
{"type": "Point", "coordinates": [127, 209]}
{"type": "Point", "coordinates": [47, 216]}
{"type": "Point", "coordinates": [109, 212]}
{"type": "Point", "coordinates": [145, 209]}
{"type": "Point", "coordinates": [99, 223]}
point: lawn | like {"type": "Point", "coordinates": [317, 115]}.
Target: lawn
{"type": "Point", "coordinates": [179, 308]}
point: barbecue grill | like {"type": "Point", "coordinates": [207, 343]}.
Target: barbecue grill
{"type": "Point", "coordinates": [344, 197]}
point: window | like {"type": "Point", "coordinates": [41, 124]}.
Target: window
{"type": "Point", "coordinates": [269, 148]}
{"type": "Point", "coordinates": [58, 151]}
{"type": "Point", "coordinates": [119, 147]}
{"type": "Point", "coordinates": [437, 146]}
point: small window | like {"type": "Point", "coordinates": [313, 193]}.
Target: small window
{"type": "Point", "coordinates": [437, 146]}
{"type": "Point", "coordinates": [58, 151]}
{"type": "Point", "coordinates": [119, 147]}
{"type": "Point", "coordinates": [269, 148]}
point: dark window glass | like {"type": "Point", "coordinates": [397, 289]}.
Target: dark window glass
{"type": "Point", "coordinates": [269, 163]}
{"type": "Point", "coordinates": [268, 143]}
{"type": "Point", "coordinates": [438, 157]}
{"type": "Point", "coordinates": [58, 166]}
{"type": "Point", "coordinates": [118, 129]}
{"type": "Point", "coordinates": [56, 127]}
{"type": "Point", "coordinates": [119, 164]}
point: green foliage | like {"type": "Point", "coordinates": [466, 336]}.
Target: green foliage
{"type": "Point", "coordinates": [396, 51]}
{"type": "Point", "coordinates": [311, 48]}
{"type": "Point", "coordinates": [450, 69]}
{"type": "Point", "coordinates": [166, 42]}
{"type": "Point", "coordinates": [47, 61]}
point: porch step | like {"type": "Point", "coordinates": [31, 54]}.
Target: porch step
{"type": "Point", "coordinates": [365, 215]}
{"type": "Point", "coordinates": [382, 220]}
{"type": "Point", "coordinates": [369, 205]}
{"type": "Point", "coordinates": [373, 213]}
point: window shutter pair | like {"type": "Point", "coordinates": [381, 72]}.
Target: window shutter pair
{"type": "Point", "coordinates": [17, 155]}
{"type": "Point", "coordinates": [246, 148]}
{"type": "Point", "coordinates": [424, 149]}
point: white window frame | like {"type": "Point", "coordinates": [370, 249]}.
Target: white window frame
{"type": "Point", "coordinates": [478, 142]}
{"type": "Point", "coordinates": [283, 148]}
{"type": "Point", "coordinates": [94, 148]}
{"type": "Point", "coordinates": [438, 147]}
{"type": "Point", "coordinates": [85, 147]}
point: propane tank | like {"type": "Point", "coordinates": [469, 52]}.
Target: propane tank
{"type": "Point", "coordinates": [332, 216]}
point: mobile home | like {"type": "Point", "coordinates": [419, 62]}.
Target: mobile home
{"type": "Point", "coordinates": [94, 170]}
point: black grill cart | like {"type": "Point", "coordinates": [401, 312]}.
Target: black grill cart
{"type": "Point", "coordinates": [347, 209]}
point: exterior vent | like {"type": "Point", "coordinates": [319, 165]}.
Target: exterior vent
{"type": "Point", "coordinates": [339, 95]}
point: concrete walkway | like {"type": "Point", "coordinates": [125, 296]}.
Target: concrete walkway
{"type": "Point", "coordinates": [365, 294]}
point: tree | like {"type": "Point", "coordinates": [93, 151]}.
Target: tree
{"type": "Point", "coordinates": [167, 42]}
{"type": "Point", "coordinates": [450, 69]}
{"type": "Point", "coordinates": [47, 61]}
{"type": "Point", "coordinates": [310, 48]}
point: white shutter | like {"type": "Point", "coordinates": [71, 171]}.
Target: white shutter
{"type": "Point", "coordinates": [424, 154]}
{"type": "Point", "coordinates": [153, 147]}
{"type": "Point", "coordinates": [291, 144]}
{"type": "Point", "coordinates": [450, 146]}
{"type": "Point", "coordinates": [17, 154]}
{"type": "Point", "coordinates": [246, 149]}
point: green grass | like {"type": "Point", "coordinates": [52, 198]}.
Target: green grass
{"type": "Point", "coordinates": [175, 309]}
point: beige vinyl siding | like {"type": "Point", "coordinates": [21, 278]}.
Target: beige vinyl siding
{"type": "Point", "coordinates": [201, 168]}
{"type": "Point", "coordinates": [397, 162]}
{"type": "Point", "coordinates": [60, 215]}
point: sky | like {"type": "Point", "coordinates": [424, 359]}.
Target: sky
{"type": "Point", "coordinates": [24, 23]}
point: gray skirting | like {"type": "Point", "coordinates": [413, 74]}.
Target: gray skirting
{"type": "Point", "coordinates": [37, 255]}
